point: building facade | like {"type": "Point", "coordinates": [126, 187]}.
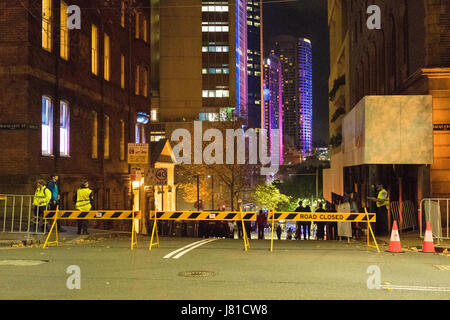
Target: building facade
{"type": "Point", "coordinates": [273, 96]}
{"type": "Point", "coordinates": [408, 56]}
{"type": "Point", "coordinates": [75, 98]}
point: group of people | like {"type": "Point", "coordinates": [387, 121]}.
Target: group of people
{"type": "Point", "coordinates": [46, 197]}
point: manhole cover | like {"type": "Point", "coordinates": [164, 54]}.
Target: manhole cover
{"type": "Point", "coordinates": [442, 267]}
{"type": "Point", "coordinates": [25, 263]}
{"type": "Point", "coordinates": [197, 274]}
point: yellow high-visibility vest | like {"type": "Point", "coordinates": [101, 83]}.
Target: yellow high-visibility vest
{"type": "Point", "coordinates": [83, 201]}
{"type": "Point", "coordinates": [383, 194]}
{"type": "Point", "coordinates": [42, 197]}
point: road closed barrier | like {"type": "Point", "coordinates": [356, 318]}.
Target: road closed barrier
{"type": "Point", "coordinates": [91, 215]}
{"type": "Point", "coordinates": [200, 216]}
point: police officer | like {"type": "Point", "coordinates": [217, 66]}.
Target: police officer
{"type": "Point", "coordinates": [42, 197]}
{"type": "Point", "coordinates": [84, 200]}
{"type": "Point", "coordinates": [382, 201]}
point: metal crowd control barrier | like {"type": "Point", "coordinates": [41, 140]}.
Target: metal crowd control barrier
{"type": "Point", "coordinates": [326, 217]}
{"type": "Point", "coordinates": [432, 208]}
{"type": "Point", "coordinates": [19, 216]}
{"type": "Point", "coordinates": [201, 215]}
{"type": "Point", "coordinates": [91, 215]}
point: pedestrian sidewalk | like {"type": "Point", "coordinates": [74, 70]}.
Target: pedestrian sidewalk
{"type": "Point", "coordinates": [412, 239]}
{"type": "Point", "coordinates": [8, 239]}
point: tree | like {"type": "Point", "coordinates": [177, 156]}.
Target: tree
{"type": "Point", "coordinates": [269, 197]}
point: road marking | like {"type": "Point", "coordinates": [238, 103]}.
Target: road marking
{"type": "Point", "coordinates": [183, 248]}
{"type": "Point", "coordinates": [414, 288]}
{"type": "Point", "coordinates": [442, 267]}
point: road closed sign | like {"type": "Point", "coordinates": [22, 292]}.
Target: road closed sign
{"type": "Point", "coordinates": [138, 153]}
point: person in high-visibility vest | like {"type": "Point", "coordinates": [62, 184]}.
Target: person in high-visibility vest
{"type": "Point", "coordinates": [84, 200]}
{"type": "Point", "coordinates": [42, 197]}
{"type": "Point", "coordinates": [382, 202]}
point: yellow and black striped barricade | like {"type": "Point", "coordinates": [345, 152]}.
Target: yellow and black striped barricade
{"type": "Point", "coordinates": [326, 217]}
{"type": "Point", "coordinates": [91, 215]}
{"type": "Point", "coordinates": [198, 216]}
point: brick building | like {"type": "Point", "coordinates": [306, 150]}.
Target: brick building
{"type": "Point", "coordinates": [408, 56]}
{"type": "Point", "coordinates": [73, 99]}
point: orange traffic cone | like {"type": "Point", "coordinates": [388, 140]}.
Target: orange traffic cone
{"type": "Point", "coordinates": [428, 245]}
{"type": "Point", "coordinates": [394, 244]}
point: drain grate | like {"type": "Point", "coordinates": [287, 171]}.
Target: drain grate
{"type": "Point", "coordinates": [442, 267]}
{"type": "Point", "coordinates": [24, 263]}
{"type": "Point", "coordinates": [196, 274]}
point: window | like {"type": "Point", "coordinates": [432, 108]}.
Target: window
{"type": "Point", "coordinates": [106, 137]}
{"type": "Point", "coordinates": [144, 81]}
{"type": "Point", "coordinates": [122, 14]}
{"type": "Point", "coordinates": [122, 140]}
{"type": "Point", "coordinates": [64, 129]}
{"type": "Point", "coordinates": [138, 17]}
{"type": "Point", "coordinates": [47, 126]}
{"type": "Point", "coordinates": [144, 27]}
{"type": "Point", "coordinates": [94, 50]}
{"type": "Point", "coordinates": [64, 33]}
{"type": "Point", "coordinates": [154, 115]}
{"type": "Point", "coordinates": [107, 54]}
{"type": "Point", "coordinates": [94, 135]}
{"type": "Point", "coordinates": [136, 84]}
{"type": "Point", "coordinates": [47, 25]}
{"type": "Point", "coordinates": [140, 133]}
{"type": "Point", "coordinates": [122, 71]}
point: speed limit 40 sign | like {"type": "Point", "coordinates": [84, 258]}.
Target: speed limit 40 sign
{"type": "Point", "coordinates": [156, 176]}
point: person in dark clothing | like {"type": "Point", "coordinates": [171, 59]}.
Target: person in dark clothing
{"type": "Point", "coordinates": [261, 220]}
{"type": "Point", "coordinates": [320, 224]}
{"type": "Point", "coordinates": [52, 185]}
{"type": "Point", "coordinates": [305, 224]}
{"type": "Point", "coordinates": [248, 229]}
{"type": "Point", "coordinates": [278, 231]}
{"type": "Point", "coordinates": [331, 227]}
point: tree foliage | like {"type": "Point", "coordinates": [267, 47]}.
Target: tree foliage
{"type": "Point", "coordinates": [269, 197]}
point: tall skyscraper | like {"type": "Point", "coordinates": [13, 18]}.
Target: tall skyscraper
{"type": "Point", "coordinates": [254, 27]}
{"type": "Point", "coordinates": [296, 60]}
{"type": "Point", "coordinates": [203, 60]}
{"type": "Point", "coordinates": [273, 107]}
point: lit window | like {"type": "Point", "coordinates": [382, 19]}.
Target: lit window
{"type": "Point", "coordinates": [204, 70]}
{"type": "Point", "coordinates": [94, 135]}
{"type": "Point", "coordinates": [64, 129]}
{"type": "Point", "coordinates": [138, 17]}
{"type": "Point", "coordinates": [47, 126]}
{"type": "Point", "coordinates": [122, 140]}
{"type": "Point", "coordinates": [144, 26]}
{"type": "Point", "coordinates": [94, 50]}
{"type": "Point", "coordinates": [205, 93]}
{"type": "Point", "coordinates": [154, 115]}
{"type": "Point", "coordinates": [47, 25]}
{"type": "Point", "coordinates": [122, 13]}
{"type": "Point", "coordinates": [144, 79]}
{"type": "Point", "coordinates": [122, 71]}
{"type": "Point", "coordinates": [106, 137]}
{"type": "Point", "coordinates": [107, 58]}
{"type": "Point", "coordinates": [136, 84]}
{"type": "Point", "coordinates": [64, 33]}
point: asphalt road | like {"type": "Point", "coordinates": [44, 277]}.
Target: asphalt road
{"type": "Point", "coordinates": [295, 270]}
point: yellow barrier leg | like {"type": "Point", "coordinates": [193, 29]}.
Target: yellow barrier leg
{"type": "Point", "coordinates": [244, 233]}
{"type": "Point", "coordinates": [273, 226]}
{"type": "Point", "coordinates": [154, 231]}
{"type": "Point", "coordinates": [133, 234]}
{"type": "Point", "coordinates": [54, 226]}
{"type": "Point", "coordinates": [369, 230]}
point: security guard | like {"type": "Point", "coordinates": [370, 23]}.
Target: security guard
{"type": "Point", "coordinates": [83, 200]}
{"type": "Point", "coordinates": [42, 197]}
{"type": "Point", "coordinates": [382, 202]}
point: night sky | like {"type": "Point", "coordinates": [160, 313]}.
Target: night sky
{"type": "Point", "coordinates": [308, 19]}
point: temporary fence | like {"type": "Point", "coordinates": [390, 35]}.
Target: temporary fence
{"type": "Point", "coordinates": [435, 210]}
{"type": "Point", "coordinates": [272, 216]}
{"type": "Point", "coordinates": [91, 215]}
{"type": "Point", "coordinates": [199, 216]}
{"type": "Point", "coordinates": [405, 214]}
{"type": "Point", "coordinates": [19, 216]}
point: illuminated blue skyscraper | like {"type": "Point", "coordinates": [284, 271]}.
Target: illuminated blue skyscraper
{"type": "Point", "coordinates": [305, 94]}
{"type": "Point", "coordinates": [296, 59]}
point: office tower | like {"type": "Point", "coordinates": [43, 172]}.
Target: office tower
{"type": "Point", "coordinates": [295, 57]}
{"type": "Point", "coordinates": [273, 107]}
